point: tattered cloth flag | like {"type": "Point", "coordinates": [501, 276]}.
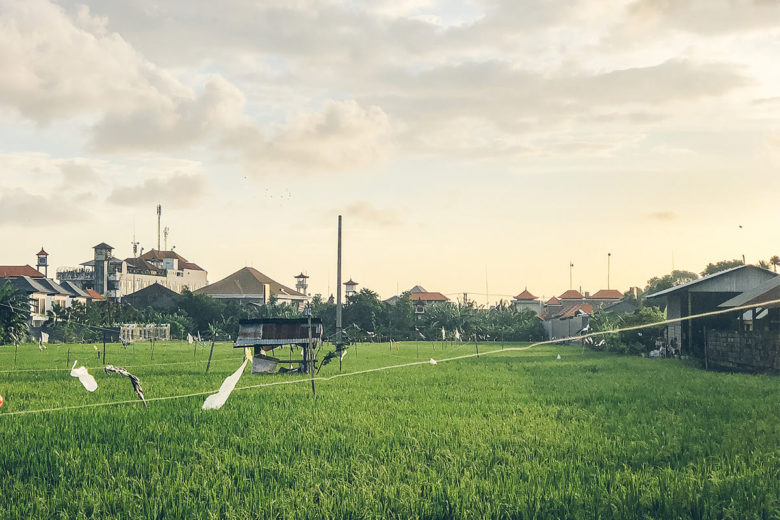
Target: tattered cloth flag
{"type": "Point", "coordinates": [44, 337]}
{"type": "Point", "coordinates": [134, 380]}
{"type": "Point", "coordinates": [215, 401]}
{"type": "Point", "coordinates": [190, 339]}
{"type": "Point", "coordinates": [432, 361]}
{"type": "Point", "coordinates": [344, 353]}
{"type": "Point", "coordinates": [86, 379]}
{"type": "Point", "coordinates": [443, 334]}
{"type": "Point", "coordinates": [457, 334]}
{"type": "Point", "coordinates": [559, 356]}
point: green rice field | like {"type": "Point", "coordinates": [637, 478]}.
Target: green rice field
{"type": "Point", "coordinates": [512, 434]}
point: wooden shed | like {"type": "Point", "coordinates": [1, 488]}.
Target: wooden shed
{"type": "Point", "coordinates": [267, 334]}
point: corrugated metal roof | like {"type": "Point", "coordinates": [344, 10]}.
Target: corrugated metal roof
{"type": "Point", "coordinates": [687, 285]}
{"type": "Point", "coordinates": [767, 291]}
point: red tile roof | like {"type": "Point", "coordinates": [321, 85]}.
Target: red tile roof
{"type": "Point", "coordinates": [571, 294]}
{"type": "Point", "coordinates": [7, 271]}
{"type": "Point", "coordinates": [95, 295]}
{"type": "Point", "coordinates": [608, 294]}
{"type": "Point", "coordinates": [525, 295]}
{"type": "Point", "coordinates": [42, 252]}
{"type": "Point", "coordinates": [190, 265]}
{"type": "Point", "coordinates": [351, 282]}
{"type": "Point", "coordinates": [570, 312]}
{"type": "Point", "coordinates": [428, 297]}
{"type": "Point", "coordinates": [553, 301]}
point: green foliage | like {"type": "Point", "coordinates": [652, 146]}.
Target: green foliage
{"type": "Point", "coordinates": [508, 435]}
{"type": "Point", "coordinates": [633, 341]}
{"type": "Point", "coordinates": [721, 266]}
{"type": "Point", "coordinates": [14, 314]}
{"type": "Point", "coordinates": [668, 281]}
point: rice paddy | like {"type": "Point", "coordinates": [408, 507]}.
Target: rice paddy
{"type": "Point", "coordinates": [514, 434]}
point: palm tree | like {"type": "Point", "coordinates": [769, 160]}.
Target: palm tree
{"type": "Point", "coordinates": [775, 261]}
{"type": "Point", "coordinates": [763, 264]}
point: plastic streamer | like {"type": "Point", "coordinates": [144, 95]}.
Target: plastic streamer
{"type": "Point", "coordinates": [215, 401]}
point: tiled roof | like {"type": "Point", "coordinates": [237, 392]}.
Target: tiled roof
{"type": "Point", "coordinates": [553, 301]}
{"type": "Point", "coordinates": [607, 294]}
{"type": "Point", "coordinates": [571, 294]}
{"type": "Point", "coordinates": [95, 295]}
{"type": "Point", "coordinates": [350, 282]}
{"type": "Point", "coordinates": [428, 297]}
{"type": "Point", "coordinates": [247, 281]}
{"type": "Point", "coordinates": [154, 254]}
{"type": "Point", "coordinates": [570, 312]}
{"type": "Point", "coordinates": [7, 271]}
{"type": "Point", "coordinates": [42, 252]}
{"type": "Point", "coordinates": [525, 295]}
{"type": "Point", "coordinates": [300, 276]}
{"type": "Point", "coordinates": [190, 265]}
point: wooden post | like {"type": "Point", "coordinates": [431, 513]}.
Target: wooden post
{"type": "Point", "coordinates": [311, 357]}
{"type": "Point", "coordinates": [67, 363]}
{"type": "Point", "coordinates": [104, 347]}
{"type": "Point", "coordinates": [195, 350]}
{"type": "Point", "coordinates": [16, 350]}
{"type": "Point", "coordinates": [706, 350]}
{"type": "Point", "coordinates": [210, 353]}
{"type": "Point", "coordinates": [418, 348]}
{"type": "Point", "coordinates": [151, 343]}
{"type": "Point", "coordinates": [476, 343]}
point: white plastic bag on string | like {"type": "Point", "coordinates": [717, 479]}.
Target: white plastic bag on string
{"type": "Point", "coordinates": [86, 379]}
{"type": "Point", "coordinates": [215, 401]}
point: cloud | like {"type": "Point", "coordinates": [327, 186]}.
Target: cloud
{"type": "Point", "coordinates": [77, 175]}
{"type": "Point", "coordinates": [342, 136]}
{"type": "Point", "coordinates": [20, 207]}
{"type": "Point", "coordinates": [664, 216]}
{"type": "Point", "coordinates": [179, 190]}
{"type": "Point", "coordinates": [707, 17]}
{"type": "Point", "coordinates": [366, 212]}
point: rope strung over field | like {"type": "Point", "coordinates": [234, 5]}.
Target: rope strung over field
{"type": "Point", "coordinates": [128, 366]}
{"type": "Point", "coordinates": [402, 365]}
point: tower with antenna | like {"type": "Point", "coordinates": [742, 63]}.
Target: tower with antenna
{"type": "Point", "coordinates": [159, 216]}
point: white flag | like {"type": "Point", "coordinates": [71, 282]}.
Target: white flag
{"type": "Point", "coordinates": [443, 334]}
{"type": "Point", "coordinates": [87, 380]}
{"type": "Point", "coordinates": [559, 356]}
{"type": "Point", "coordinates": [457, 335]}
{"type": "Point", "coordinates": [432, 361]}
{"type": "Point", "coordinates": [215, 401]}
{"type": "Point", "coordinates": [44, 337]}
{"type": "Point", "coordinates": [343, 353]}
{"type": "Point", "coordinates": [190, 339]}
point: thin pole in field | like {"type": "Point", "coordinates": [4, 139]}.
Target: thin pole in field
{"type": "Point", "coordinates": [476, 343]}
{"type": "Point", "coordinates": [67, 363]}
{"type": "Point", "coordinates": [311, 356]}
{"type": "Point", "coordinates": [210, 352]}
{"type": "Point", "coordinates": [418, 348]}
{"type": "Point", "coordinates": [16, 350]}
{"type": "Point", "coordinates": [104, 347]}
{"type": "Point", "coordinates": [151, 346]}
{"type": "Point", "coordinates": [195, 350]}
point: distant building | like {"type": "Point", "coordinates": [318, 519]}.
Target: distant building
{"type": "Point", "coordinates": [156, 297]}
{"type": "Point", "coordinates": [248, 285]}
{"type": "Point", "coordinates": [350, 288]}
{"type": "Point", "coordinates": [526, 300]}
{"type": "Point", "coordinates": [114, 278]}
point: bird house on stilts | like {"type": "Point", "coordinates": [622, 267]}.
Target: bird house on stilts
{"type": "Point", "coordinates": [265, 335]}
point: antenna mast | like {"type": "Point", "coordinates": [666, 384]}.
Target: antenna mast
{"type": "Point", "coordinates": [159, 214]}
{"type": "Point", "coordinates": [165, 236]}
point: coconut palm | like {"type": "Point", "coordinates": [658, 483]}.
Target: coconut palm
{"type": "Point", "coordinates": [775, 261]}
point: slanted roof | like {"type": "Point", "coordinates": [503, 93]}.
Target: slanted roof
{"type": "Point", "coordinates": [155, 254]}
{"type": "Point", "coordinates": [7, 271]}
{"type": "Point", "coordinates": [576, 310]}
{"type": "Point", "coordinates": [27, 285]}
{"type": "Point", "coordinates": [607, 294]}
{"type": "Point", "coordinates": [428, 297]}
{"type": "Point", "coordinates": [74, 290]}
{"type": "Point", "coordinates": [247, 281]}
{"type": "Point", "coordinates": [102, 245]}
{"type": "Point", "coordinates": [300, 275]}
{"type": "Point", "coordinates": [52, 286]}
{"type": "Point", "coordinates": [95, 295]}
{"type": "Point", "coordinates": [351, 282]}
{"type": "Point", "coordinates": [190, 265]}
{"type": "Point", "coordinates": [767, 291]}
{"type": "Point", "coordinates": [156, 296]}
{"type": "Point", "coordinates": [571, 294]}
{"type": "Point", "coordinates": [417, 289]}
{"type": "Point", "coordinates": [91, 263]}
{"type": "Point", "coordinates": [737, 279]}
{"type": "Point", "coordinates": [553, 301]}
{"type": "Point", "coordinates": [526, 296]}
{"type": "Point", "coordinates": [42, 252]}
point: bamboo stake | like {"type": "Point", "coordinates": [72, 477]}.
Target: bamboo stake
{"type": "Point", "coordinates": [210, 352]}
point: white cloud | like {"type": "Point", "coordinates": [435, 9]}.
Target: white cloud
{"type": "Point", "coordinates": [19, 207]}
{"type": "Point", "coordinates": [343, 136]}
{"type": "Point", "coordinates": [178, 190]}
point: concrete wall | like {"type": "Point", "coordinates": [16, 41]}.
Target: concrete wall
{"type": "Point", "coordinates": [749, 351]}
{"type": "Point", "coordinates": [557, 328]}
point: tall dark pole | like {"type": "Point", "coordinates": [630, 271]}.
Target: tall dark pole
{"type": "Point", "coordinates": [609, 266]}
{"type": "Point", "coordinates": [104, 347]}
{"type": "Point", "coordinates": [338, 287]}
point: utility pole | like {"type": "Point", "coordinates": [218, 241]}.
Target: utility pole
{"type": "Point", "coordinates": [338, 288]}
{"type": "Point", "coordinates": [609, 266]}
{"type": "Point", "coordinates": [571, 267]}
{"type": "Point", "coordinates": [159, 215]}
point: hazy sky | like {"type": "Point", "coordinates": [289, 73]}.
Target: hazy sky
{"type": "Point", "coordinates": [459, 139]}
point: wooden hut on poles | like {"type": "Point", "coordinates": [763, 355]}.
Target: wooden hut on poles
{"type": "Point", "coordinates": [268, 334]}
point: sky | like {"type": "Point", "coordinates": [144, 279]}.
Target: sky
{"type": "Point", "coordinates": [471, 145]}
